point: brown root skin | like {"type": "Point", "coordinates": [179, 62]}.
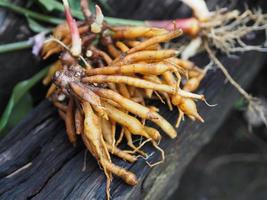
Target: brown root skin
{"type": "Point", "coordinates": [62, 114]}
{"type": "Point", "coordinates": [106, 85]}
{"type": "Point", "coordinates": [129, 139]}
{"type": "Point", "coordinates": [153, 133]}
{"type": "Point", "coordinates": [125, 175]}
{"type": "Point", "coordinates": [122, 46]}
{"type": "Point", "coordinates": [136, 82]}
{"type": "Point", "coordinates": [140, 68]}
{"type": "Point", "coordinates": [126, 120]}
{"type": "Point", "coordinates": [190, 26]}
{"type": "Point", "coordinates": [69, 122]}
{"type": "Point", "coordinates": [79, 118]}
{"type": "Point", "coordinates": [60, 106]}
{"type": "Point", "coordinates": [85, 94]}
{"type": "Point", "coordinates": [188, 106]}
{"type": "Point", "coordinates": [146, 55]}
{"type": "Point", "coordinates": [186, 64]}
{"type": "Point", "coordinates": [102, 54]}
{"type": "Point", "coordinates": [123, 90]}
{"type": "Point", "coordinates": [134, 43]}
{"type": "Point", "coordinates": [136, 32]}
{"type": "Point", "coordinates": [139, 110]}
{"type": "Point", "coordinates": [121, 154]}
{"type": "Point", "coordinates": [67, 59]}
{"type": "Point", "coordinates": [51, 90]}
{"type": "Point", "coordinates": [93, 133]}
{"type": "Point", "coordinates": [126, 103]}
{"type": "Point", "coordinates": [155, 40]}
{"type": "Point", "coordinates": [55, 67]}
{"type": "Point", "coordinates": [192, 84]}
{"type": "Point", "coordinates": [107, 131]}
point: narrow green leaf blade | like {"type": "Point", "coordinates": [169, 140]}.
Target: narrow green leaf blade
{"type": "Point", "coordinates": [20, 110]}
{"type": "Point", "coordinates": [19, 90]}
{"type": "Point", "coordinates": [35, 26]}
{"type": "Point", "coordinates": [51, 5]}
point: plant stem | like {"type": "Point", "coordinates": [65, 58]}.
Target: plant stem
{"type": "Point", "coordinates": [34, 15]}
{"type": "Point", "coordinates": [116, 21]}
{"type": "Point", "coordinates": [4, 48]}
{"type": "Point", "coordinates": [18, 92]}
{"type": "Point", "coordinates": [54, 20]}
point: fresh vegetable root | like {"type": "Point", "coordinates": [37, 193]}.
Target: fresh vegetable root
{"type": "Point", "coordinates": [98, 86]}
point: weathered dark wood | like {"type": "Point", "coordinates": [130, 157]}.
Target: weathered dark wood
{"type": "Point", "coordinates": [54, 167]}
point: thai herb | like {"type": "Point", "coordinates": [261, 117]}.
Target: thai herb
{"type": "Point", "coordinates": [101, 82]}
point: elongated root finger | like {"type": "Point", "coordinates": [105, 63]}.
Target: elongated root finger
{"type": "Point", "coordinates": [153, 133]}
{"type": "Point", "coordinates": [127, 176]}
{"type": "Point", "coordinates": [69, 121]}
{"type": "Point", "coordinates": [120, 137]}
{"type": "Point", "coordinates": [126, 120]}
{"type": "Point", "coordinates": [121, 154]}
{"type": "Point", "coordinates": [188, 106]}
{"type": "Point", "coordinates": [136, 82]}
{"type": "Point", "coordinates": [78, 121]}
{"type": "Point", "coordinates": [60, 106]}
{"type": "Point", "coordinates": [51, 90]}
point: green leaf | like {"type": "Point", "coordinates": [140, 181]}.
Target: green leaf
{"type": "Point", "coordinates": [32, 14]}
{"type": "Point", "coordinates": [126, 22]}
{"type": "Point", "coordinates": [51, 5]}
{"type": "Point", "coordinates": [20, 110]}
{"type": "Point", "coordinates": [18, 92]}
{"type": "Point", "coordinates": [76, 13]}
{"type": "Point", "coordinates": [35, 26]}
{"type": "Point", "coordinates": [15, 46]}
{"type": "Point", "coordinates": [74, 5]}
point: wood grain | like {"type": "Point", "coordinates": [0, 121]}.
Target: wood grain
{"type": "Point", "coordinates": [55, 170]}
{"type": "Point", "coordinates": [37, 161]}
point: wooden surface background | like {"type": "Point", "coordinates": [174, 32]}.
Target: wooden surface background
{"type": "Point", "coordinates": [37, 161]}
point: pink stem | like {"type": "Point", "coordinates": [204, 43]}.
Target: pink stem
{"type": "Point", "coordinates": [75, 35]}
{"type": "Point", "coordinates": [189, 26]}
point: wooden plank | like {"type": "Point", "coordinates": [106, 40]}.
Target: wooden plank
{"type": "Point", "coordinates": [55, 169]}
{"type": "Point", "coordinates": [37, 161]}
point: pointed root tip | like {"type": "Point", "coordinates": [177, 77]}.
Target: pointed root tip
{"type": "Point", "coordinates": [131, 179]}
{"type": "Point", "coordinates": [173, 135]}
{"type": "Point", "coordinates": [210, 105]}
{"type": "Point", "coordinates": [199, 118]}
